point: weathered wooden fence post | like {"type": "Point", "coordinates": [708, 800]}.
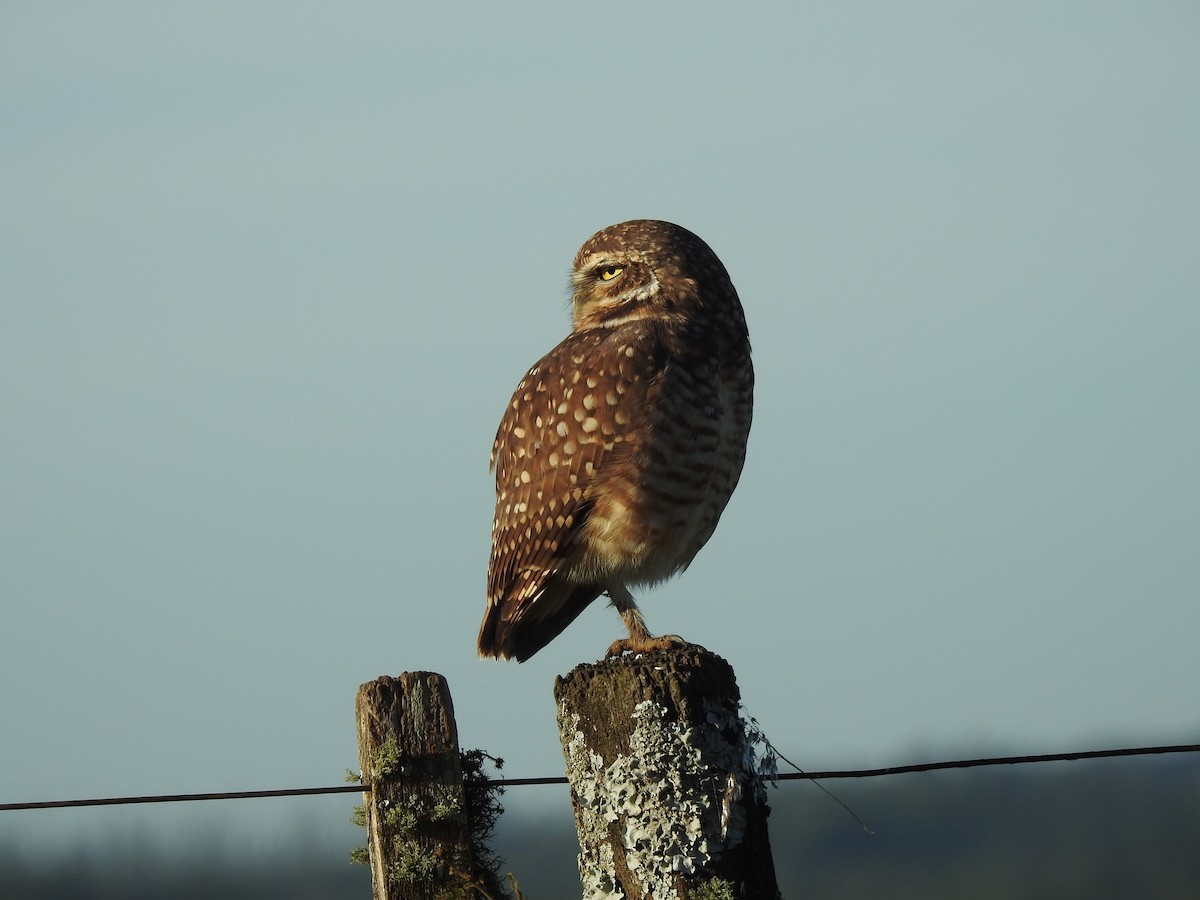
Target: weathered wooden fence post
{"type": "Point", "coordinates": [418, 833]}
{"type": "Point", "coordinates": [668, 804]}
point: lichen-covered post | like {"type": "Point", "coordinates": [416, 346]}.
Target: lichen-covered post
{"type": "Point", "coordinates": [418, 834]}
{"type": "Point", "coordinates": [669, 804]}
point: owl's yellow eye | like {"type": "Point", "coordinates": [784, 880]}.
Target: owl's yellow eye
{"type": "Point", "coordinates": [608, 273]}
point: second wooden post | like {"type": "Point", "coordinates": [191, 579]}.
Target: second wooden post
{"type": "Point", "coordinates": [418, 829]}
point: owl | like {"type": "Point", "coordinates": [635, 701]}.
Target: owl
{"type": "Point", "coordinates": [622, 445]}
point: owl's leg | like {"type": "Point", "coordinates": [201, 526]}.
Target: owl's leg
{"type": "Point", "coordinates": [640, 639]}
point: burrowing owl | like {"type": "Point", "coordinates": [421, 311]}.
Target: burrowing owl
{"type": "Point", "coordinates": [622, 445]}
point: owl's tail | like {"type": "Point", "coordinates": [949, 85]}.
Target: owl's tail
{"type": "Point", "coordinates": [520, 628]}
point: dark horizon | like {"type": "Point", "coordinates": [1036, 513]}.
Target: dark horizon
{"type": "Point", "coordinates": [1109, 828]}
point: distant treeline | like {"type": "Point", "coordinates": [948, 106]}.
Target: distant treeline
{"type": "Point", "coordinates": [1111, 829]}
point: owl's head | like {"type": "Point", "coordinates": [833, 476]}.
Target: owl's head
{"type": "Point", "coordinates": [644, 269]}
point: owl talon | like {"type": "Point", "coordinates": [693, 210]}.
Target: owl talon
{"type": "Point", "coordinates": [647, 644]}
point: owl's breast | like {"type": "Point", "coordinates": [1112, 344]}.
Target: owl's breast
{"type": "Point", "coordinates": [657, 504]}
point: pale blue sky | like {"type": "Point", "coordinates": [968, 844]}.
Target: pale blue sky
{"type": "Point", "coordinates": [269, 273]}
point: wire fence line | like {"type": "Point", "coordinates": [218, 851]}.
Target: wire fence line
{"type": "Point", "coordinates": [560, 779]}
{"type": "Point", "coordinates": [177, 798]}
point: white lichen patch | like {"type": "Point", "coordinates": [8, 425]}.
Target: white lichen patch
{"type": "Point", "coordinates": [674, 799]}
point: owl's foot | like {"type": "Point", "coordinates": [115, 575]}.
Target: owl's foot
{"type": "Point", "coordinates": [640, 639]}
{"type": "Point", "coordinates": [647, 643]}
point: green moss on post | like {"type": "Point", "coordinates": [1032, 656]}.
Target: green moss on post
{"type": "Point", "coordinates": [668, 801]}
